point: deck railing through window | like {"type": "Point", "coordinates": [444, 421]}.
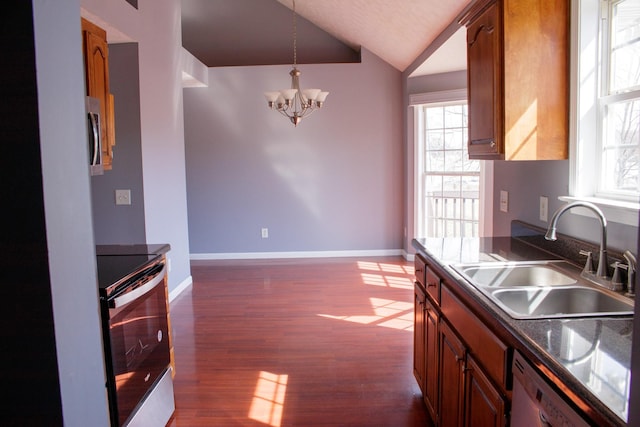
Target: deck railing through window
{"type": "Point", "coordinates": [452, 213]}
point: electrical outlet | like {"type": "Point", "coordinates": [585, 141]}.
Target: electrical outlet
{"type": "Point", "coordinates": [265, 233]}
{"type": "Point", "coordinates": [504, 201]}
{"type": "Point", "coordinates": [544, 208]}
{"type": "Point", "coordinates": [123, 197]}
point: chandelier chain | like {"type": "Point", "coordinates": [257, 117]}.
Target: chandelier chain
{"type": "Point", "coordinates": [295, 36]}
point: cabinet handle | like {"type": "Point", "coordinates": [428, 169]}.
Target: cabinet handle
{"type": "Point", "coordinates": [487, 141]}
{"type": "Point", "coordinates": [431, 285]}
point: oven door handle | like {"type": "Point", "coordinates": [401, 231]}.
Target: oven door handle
{"type": "Point", "coordinates": [140, 291]}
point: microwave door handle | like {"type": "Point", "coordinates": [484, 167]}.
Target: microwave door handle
{"type": "Point", "coordinates": [96, 146]}
{"type": "Point", "coordinates": [138, 292]}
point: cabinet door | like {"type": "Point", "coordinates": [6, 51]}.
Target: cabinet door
{"type": "Point", "coordinates": [452, 355]}
{"type": "Point", "coordinates": [96, 59]}
{"type": "Point", "coordinates": [431, 377]}
{"type": "Point", "coordinates": [484, 86]}
{"type": "Point", "coordinates": [484, 406]}
{"type": "Point", "coordinates": [418, 336]}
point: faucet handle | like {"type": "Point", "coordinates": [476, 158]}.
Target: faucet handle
{"type": "Point", "coordinates": [631, 273]}
{"type": "Point", "coordinates": [588, 265]}
{"type": "Point", "coordinates": [616, 281]}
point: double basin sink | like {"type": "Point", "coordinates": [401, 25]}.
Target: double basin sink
{"type": "Point", "coordinates": [543, 289]}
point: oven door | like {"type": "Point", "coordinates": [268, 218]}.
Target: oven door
{"type": "Point", "coordinates": [139, 342]}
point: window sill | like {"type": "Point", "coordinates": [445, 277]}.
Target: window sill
{"type": "Point", "coordinates": [614, 210]}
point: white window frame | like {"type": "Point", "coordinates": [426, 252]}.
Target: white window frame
{"type": "Point", "coordinates": [485, 223]}
{"type": "Point", "coordinates": [585, 118]}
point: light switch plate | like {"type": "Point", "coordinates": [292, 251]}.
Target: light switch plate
{"type": "Point", "coordinates": [544, 208]}
{"type": "Point", "coordinates": [504, 201]}
{"type": "Point", "coordinates": [123, 197]}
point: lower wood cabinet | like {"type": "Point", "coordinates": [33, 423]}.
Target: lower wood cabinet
{"type": "Point", "coordinates": [452, 365]}
{"type": "Point", "coordinates": [431, 359]}
{"type": "Point", "coordinates": [460, 365]}
{"type": "Point", "coordinates": [484, 406]}
{"type": "Point", "coordinates": [418, 336]}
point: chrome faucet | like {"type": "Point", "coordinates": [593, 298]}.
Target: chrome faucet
{"type": "Point", "coordinates": [602, 271]}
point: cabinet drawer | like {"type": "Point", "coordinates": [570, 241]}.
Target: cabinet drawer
{"type": "Point", "coordinates": [487, 349]}
{"type": "Point", "coordinates": [433, 285]}
{"type": "Point", "coordinates": [420, 270]}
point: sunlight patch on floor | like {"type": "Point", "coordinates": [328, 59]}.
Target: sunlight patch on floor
{"type": "Point", "coordinates": [386, 275]}
{"type": "Point", "coordinates": [387, 281]}
{"type": "Point", "coordinates": [389, 268]}
{"type": "Point", "coordinates": [387, 313]}
{"type": "Point", "coordinates": [268, 399]}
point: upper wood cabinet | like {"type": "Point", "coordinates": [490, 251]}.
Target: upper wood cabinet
{"type": "Point", "coordinates": [518, 79]}
{"type": "Point", "coordinates": [96, 63]}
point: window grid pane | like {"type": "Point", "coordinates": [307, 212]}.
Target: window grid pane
{"type": "Point", "coordinates": [625, 45]}
{"type": "Point", "coordinates": [620, 148]}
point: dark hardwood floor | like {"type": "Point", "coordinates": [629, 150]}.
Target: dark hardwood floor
{"type": "Point", "coordinates": [313, 342]}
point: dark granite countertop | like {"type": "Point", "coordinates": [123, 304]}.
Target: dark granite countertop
{"type": "Point", "coordinates": [588, 358]}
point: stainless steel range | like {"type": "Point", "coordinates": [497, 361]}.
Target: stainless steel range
{"type": "Point", "coordinates": [135, 329]}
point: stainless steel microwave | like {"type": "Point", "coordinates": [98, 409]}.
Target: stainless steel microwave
{"type": "Point", "coordinates": [95, 136]}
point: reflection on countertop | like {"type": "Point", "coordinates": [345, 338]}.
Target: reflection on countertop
{"type": "Point", "coordinates": [597, 352]}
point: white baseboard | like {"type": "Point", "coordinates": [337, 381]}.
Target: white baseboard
{"type": "Point", "coordinates": [301, 254]}
{"type": "Point", "coordinates": [180, 288]}
{"type": "Point", "coordinates": [408, 256]}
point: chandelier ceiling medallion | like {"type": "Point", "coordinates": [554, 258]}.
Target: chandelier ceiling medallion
{"type": "Point", "coordinates": [295, 103]}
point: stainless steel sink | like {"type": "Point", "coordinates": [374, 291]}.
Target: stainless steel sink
{"type": "Point", "coordinates": [544, 273]}
{"type": "Point", "coordinates": [543, 289]}
{"type": "Point", "coordinates": [570, 301]}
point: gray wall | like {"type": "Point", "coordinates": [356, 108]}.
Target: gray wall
{"type": "Point", "coordinates": [122, 224]}
{"type": "Point", "coordinates": [527, 181]}
{"type": "Point", "coordinates": [333, 183]}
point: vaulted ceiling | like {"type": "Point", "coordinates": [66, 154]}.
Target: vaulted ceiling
{"type": "Point", "coordinates": [259, 32]}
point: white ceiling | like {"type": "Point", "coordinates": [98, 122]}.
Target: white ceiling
{"type": "Point", "coordinates": [396, 31]}
{"type": "Point", "coordinates": [451, 56]}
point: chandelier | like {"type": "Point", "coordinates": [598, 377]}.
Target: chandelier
{"type": "Point", "coordinates": [295, 103]}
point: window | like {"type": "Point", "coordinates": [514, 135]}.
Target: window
{"type": "Point", "coordinates": [448, 183]}
{"type": "Point", "coordinates": [607, 113]}
{"type": "Point", "coordinates": [620, 100]}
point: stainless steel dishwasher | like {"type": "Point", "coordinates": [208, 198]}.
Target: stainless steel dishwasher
{"type": "Point", "coordinates": [535, 403]}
